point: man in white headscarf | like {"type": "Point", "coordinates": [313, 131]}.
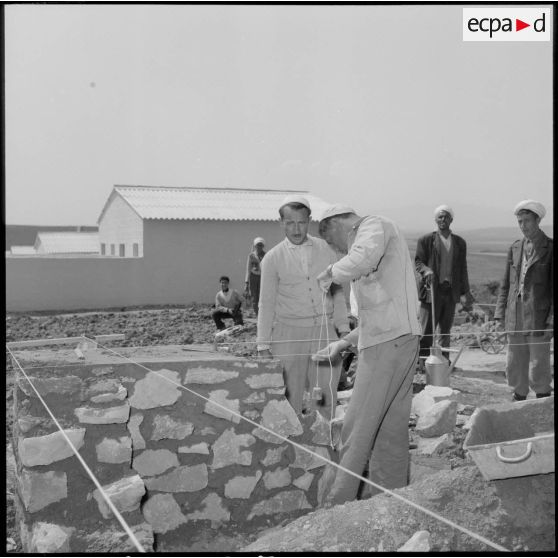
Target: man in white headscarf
{"type": "Point", "coordinates": [295, 315]}
{"type": "Point", "coordinates": [526, 305]}
{"type": "Point", "coordinates": [253, 272]}
{"type": "Point", "coordinates": [441, 263]}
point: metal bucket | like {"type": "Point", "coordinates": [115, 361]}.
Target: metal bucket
{"type": "Point", "coordinates": [437, 368]}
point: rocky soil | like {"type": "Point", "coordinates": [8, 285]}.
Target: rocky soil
{"type": "Point", "coordinates": [479, 380]}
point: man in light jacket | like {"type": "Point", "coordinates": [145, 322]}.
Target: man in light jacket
{"type": "Point", "coordinates": [375, 427]}
{"type": "Point", "coordinates": [526, 304]}
{"type": "Point", "coordinates": [294, 314]}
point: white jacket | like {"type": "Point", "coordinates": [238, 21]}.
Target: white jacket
{"type": "Point", "coordinates": [379, 264]}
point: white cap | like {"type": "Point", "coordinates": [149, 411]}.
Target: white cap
{"type": "Point", "coordinates": [295, 199]}
{"type": "Point", "coordinates": [445, 208]}
{"type": "Point", "coordinates": [531, 205]}
{"type": "Point", "coordinates": [259, 240]}
{"type": "Point", "coordinates": [334, 210]}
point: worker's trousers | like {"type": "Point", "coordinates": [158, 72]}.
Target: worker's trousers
{"type": "Point", "coordinates": [294, 346]}
{"type": "Point", "coordinates": [528, 360]}
{"type": "Point", "coordinates": [376, 426]}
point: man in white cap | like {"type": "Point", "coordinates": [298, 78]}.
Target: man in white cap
{"type": "Point", "coordinates": [526, 305]}
{"type": "Point", "coordinates": [253, 272]}
{"type": "Point", "coordinates": [441, 263]}
{"type": "Point", "coordinates": [295, 315]}
{"type": "Point", "coordinates": [376, 425]}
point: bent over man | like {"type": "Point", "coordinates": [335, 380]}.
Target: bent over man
{"type": "Point", "coordinates": [526, 305]}
{"type": "Point", "coordinates": [376, 425]}
{"type": "Point", "coordinates": [294, 314]}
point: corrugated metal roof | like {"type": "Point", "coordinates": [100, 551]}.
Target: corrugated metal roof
{"type": "Point", "coordinates": [225, 204]}
{"type": "Point", "coordinates": [67, 243]}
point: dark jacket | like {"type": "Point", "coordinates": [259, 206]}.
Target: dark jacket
{"type": "Point", "coordinates": [537, 287]}
{"type": "Point", "coordinates": [428, 257]}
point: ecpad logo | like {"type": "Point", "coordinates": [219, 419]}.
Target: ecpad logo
{"type": "Point", "coordinates": [507, 24]}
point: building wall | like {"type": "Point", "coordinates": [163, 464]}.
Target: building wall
{"type": "Point", "coordinates": [182, 263]}
{"type": "Point", "coordinates": [121, 225]}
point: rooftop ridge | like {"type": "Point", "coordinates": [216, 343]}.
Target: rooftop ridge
{"type": "Point", "coordinates": [207, 188]}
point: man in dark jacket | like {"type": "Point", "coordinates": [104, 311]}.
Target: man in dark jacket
{"type": "Point", "coordinates": [525, 305]}
{"type": "Point", "coordinates": [441, 261]}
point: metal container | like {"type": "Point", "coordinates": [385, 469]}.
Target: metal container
{"type": "Point", "coordinates": [437, 368]}
{"type": "Point", "coordinates": [514, 439]}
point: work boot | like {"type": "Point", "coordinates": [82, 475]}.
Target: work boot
{"type": "Point", "coordinates": [539, 395]}
{"type": "Point", "coordinates": [517, 397]}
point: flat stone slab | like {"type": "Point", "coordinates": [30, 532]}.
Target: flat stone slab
{"type": "Point", "coordinates": [201, 448]}
{"type": "Point", "coordinates": [158, 389]}
{"type": "Point", "coordinates": [49, 538]}
{"type": "Point", "coordinates": [304, 481]}
{"type": "Point", "coordinates": [278, 478]}
{"type": "Point", "coordinates": [44, 450]}
{"type": "Point", "coordinates": [112, 450]}
{"type": "Point", "coordinates": [138, 441]}
{"type": "Point", "coordinates": [220, 397]}
{"type": "Point", "coordinates": [182, 479]}
{"type": "Point", "coordinates": [103, 415]}
{"type": "Point", "coordinates": [242, 487]}
{"type": "Point", "coordinates": [207, 375]}
{"type": "Point", "coordinates": [273, 456]}
{"type": "Point", "coordinates": [154, 462]}
{"type": "Point", "coordinates": [213, 509]}
{"type": "Point", "coordinates": [163, 513]}
{"type": "Point", "coordinates": [291, 500]}
{"type": "Point", "coordinates": [226, 449]}
{"type": "Point", "coordinates": [281, 418]}
{"type": "Point", "coordinates": [125, 494]}
{"type": "Point", "coordinates": [307, 461]}
{"type": "Point", "coordinates": [166, 427]}
{"type": "Point", "coordinates": [38, 490]}
{"type": "Point", "coordinates": [438, 419]}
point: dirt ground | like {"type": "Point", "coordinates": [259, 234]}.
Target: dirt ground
{"type": "Point", "coordinates": [479, 378]}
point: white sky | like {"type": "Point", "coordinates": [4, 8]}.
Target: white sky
{"type": "Point", "coordinates": [381, 107]}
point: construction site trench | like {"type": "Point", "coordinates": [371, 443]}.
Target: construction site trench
{"type": "Point", "coordinates": [515, 513]}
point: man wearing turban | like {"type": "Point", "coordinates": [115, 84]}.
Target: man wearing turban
{"type": "Point", "coordinates": [441, 262]}
{"type": "Point", "coordinates": [525, 305]}
{"type": "Point", "coordinates": [253, 272]}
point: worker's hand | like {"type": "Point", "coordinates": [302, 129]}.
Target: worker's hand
{"type": "Point", "coordinates": [325, 280]}
{"type": "Point", "coordinates": [427, 276]}
{"type": "Point", "coordinates": [331, 352]}
{"type": "Point", "coordinates": [266, 353]}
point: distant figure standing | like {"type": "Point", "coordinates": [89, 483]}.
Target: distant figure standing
{"type": "Point", "coordinates": [254, 272]}
{"type": "Point", "coordinates": [526, 304]}
{"type": "Point", "coordinates": [227, 305]}
{"type": "Point", "coordinates": [441, 261]}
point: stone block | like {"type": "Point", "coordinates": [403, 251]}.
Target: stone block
{"type": "Point", "coordinates": [65, 385]}
{"type": "Point", "coordinates": [304, 481]}
{"type": "Point", "coordinates": [208, 431]}
{"type": "Point", "coordinates": [116, 540]}
{"type": "Point", "coordinates": [276, 391]}
{"type": "Point", "coordinates": [419, 542]}
{"type": "Point", "coordinates": [438, 393]}
{"type": "Point", "coordinates": [320, 429]}
{"type": "Point", "coordinates": [38, 490]}
{"type": "Point", "coordinates": [201, 448]}
{"type": "Point", "coordinates": [255, 398]}
{"type": "Point", "coordinates": [307, 461]}
{"type": "Point", "coordinates": [120, 395]}
{"type": "Point", "coordinates": [182, 479]}
{"type": "Point", "coordinates": [125, 494]}
{"type": "Point", "coordinates": [267, 436]}
{"type": "Point", "coordinates": [49, 538]}
{"type": "Point", "coordinates": [154, 462]}
{"type": "Point", "coordinates": [277, 479]}
{"type": "Point", "coordinates": [205, 375]}
{"type": "Point", "coordinates": [265, 380]}
{"type": "Point", "coordinates": [242, 487]}
{"type": "Point", "coordinates": [112, 450]}
{"type": "Point", "coordinates": [220, 397]}
{"type": "Point", "coordinates": [213, 509]}
{"type": "Point", "coordinates": [44, 450]}
{"type": "Point", "coordinates": [281, 418]}
{"type": "Point", "coordinates": [26, 423]}
{"type": "Point", "coordinates": [432, 446]}
{"type": "Point", "coordinates": [165, 427]}
{"type": "Point", "coordinates": [421, 402]}
{"type": "Point", "coordinates": [138, 442]}
{"type": "Point", "coordinates": [163, 513]}
{"type": "Point", "coordinates": [273, 456]}
{"type": "Point", "coordinates": [288, 501]}
{"type": "Point", "coordinates": [103, 415]}
{"type": "Point", "coordinates": [157, 389]}
{"type": "Point", "coordinates": [252, 414]}
{"type": "Point", "coordinates": [226, 449]}
{"type": "Point", "coordinates": [437, 420]}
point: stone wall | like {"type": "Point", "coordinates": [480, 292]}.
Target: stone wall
{"type": "Point", "coordinates": [172, 463]}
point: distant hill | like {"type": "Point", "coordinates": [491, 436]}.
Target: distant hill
{"type": "Point", "coordinates": [489, 234]}
{"type": "Point", "coordinates": [24, 235]}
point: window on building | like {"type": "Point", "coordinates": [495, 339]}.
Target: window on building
{"type": "Point", "coordinates": [112, 252]}
{"type": "Point", "coordinates": [122, 250]}
{"type": "Point", "coordinates": [103, 249]}
{"type": "Point", "coordinates": [135, 248]}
